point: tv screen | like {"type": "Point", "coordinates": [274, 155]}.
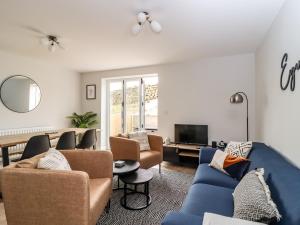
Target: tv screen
{"type": "Point", "coordinates": [191, 134]}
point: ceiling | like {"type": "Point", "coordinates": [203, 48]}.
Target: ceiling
{"type": "Point", "coordinates": [97, 33]}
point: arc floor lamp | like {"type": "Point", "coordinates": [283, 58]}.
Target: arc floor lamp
{"type": "Point", "coordinates": [238, 98]}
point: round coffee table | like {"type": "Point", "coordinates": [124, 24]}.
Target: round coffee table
{"type": "Point", "coordinates": [129, 167]}
{"type": "Point", "coordinates": [140, 177]}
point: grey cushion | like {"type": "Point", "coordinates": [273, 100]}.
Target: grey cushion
{"type": "Point", "coordinates": [252, 199]}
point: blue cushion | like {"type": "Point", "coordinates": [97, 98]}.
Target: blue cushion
{"type": "Point", "coordinates": [208, 175]}
{"type": "Point", "coordinates": [203, 198]}
{"type": "Point", "coordinates": [177, 218]}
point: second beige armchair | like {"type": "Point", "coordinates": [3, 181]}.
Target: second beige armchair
{"type": "Point", "coordinates": [128, 149]}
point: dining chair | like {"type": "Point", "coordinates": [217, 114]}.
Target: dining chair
{"type": "Point", "coordinates": [88, 140]}
{"type": "Point", "coordinates": [67, 141]}
{"type": "Point", "coordinates": [35, 146]}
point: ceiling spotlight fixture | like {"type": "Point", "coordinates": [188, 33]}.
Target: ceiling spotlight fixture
{"type": "Point", "coordinates": [142, 18]}
{"type": "Point", "coordinates": [51, 42]}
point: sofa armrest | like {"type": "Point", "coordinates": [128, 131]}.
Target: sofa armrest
{"type": "Point", "coordinates": [178, 218]}
{"type": "Point", "coordinates": [97, 164]}
{"type": "Point", "coordinates": [124, 148]}
{"type": "Point", "coordinates": [33, 196]}
{"type": "Point", "coordinates": [206, 154]}
{"type": "Point", "coordinates": [155, 142]}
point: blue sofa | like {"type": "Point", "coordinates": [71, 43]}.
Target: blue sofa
{"type": "Point", "coordinates": [212, 190]}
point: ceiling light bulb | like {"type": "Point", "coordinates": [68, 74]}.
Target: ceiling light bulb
{"type": "Point", "coordinates": [52, 47]}
{"type": "Point", "coordinates": [44, 41]}
{"type": "Point", "coordinates": [155, 26]}
{"type": "Point", "coordinates": [141, 17]}
{"type": "Point", "coordinates": [136, 29]}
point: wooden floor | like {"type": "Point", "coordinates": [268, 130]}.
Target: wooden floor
{"type": "Point", "coordinates": [165, 166]}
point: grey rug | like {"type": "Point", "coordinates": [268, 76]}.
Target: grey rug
{"type": "Point", "coordinates": [167, 190]}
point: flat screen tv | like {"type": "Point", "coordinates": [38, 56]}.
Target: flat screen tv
{"type": "Point", "coordinates": [191, 134]}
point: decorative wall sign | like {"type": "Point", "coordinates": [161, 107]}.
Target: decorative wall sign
{"type": "Point", "coordinates": [91, 91]}
{"type": "Point", "coordinates": [291, 80]}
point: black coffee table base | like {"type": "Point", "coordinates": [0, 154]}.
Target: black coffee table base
{"type": "Point", "coordinates": [128, 191]}
{"type": "Point", "coordinates": [119, 187]}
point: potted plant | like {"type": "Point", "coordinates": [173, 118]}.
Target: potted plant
{"type": "Point", "coordinates": [86, 120]}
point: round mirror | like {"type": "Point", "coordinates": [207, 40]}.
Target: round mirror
{"type": "Point", "coordinates": [20, 93]}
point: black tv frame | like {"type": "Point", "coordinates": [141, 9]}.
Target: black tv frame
{"type": "Point", "coordinates": [192, 143]}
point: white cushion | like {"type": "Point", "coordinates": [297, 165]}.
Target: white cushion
{"type": "Point", "coordinates": [54, 160]}
{"type": "Point", "coordinates": [215, 219]}
{"type": "Point", "coordinates": [218, 161]}
{"type": "Point", "coordinates": [241, 149]}
{"type": "Point", "coordinates": [142, 138]}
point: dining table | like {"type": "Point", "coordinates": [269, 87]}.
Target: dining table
{"type": "Point", "coordinates": [8, 141]}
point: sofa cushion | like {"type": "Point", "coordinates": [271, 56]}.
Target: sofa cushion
{"type": "Point", "coordinates": [208, 175]}
{"type": "Point", "coordinates": [54, 160]}
{"type": "Point", "coordinates": [203, 198]}
{"type": "Point", "coordinates": [149, 159]}
{"type": "Point", "coordinates": [100, 191]}
{"type": "Point", "coordinates": [142, 138]}
{"type": "Point", "coordinates": [178, 218]}
{"type": "Point", "coordinates": [234, 166]}
{"type": "Point", "coordinates": [30, 163]}
{"type": "Point", "coordinates": [253, 201]}
{"type": "Point", "coordinates": [241, 149]}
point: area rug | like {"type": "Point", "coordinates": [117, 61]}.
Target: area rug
{"type": "Point", "coordinates": [167, 190]}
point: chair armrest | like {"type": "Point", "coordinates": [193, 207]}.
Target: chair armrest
{"type": "Point", "coordinates": [33, 196]}
{"type": "Point", "coordinates": [124, 148]}
{"type": "Point", "coordinates": [155, 142]}
{"type": "Point", "coordinates": [206, 154]}
{"type": "Point", "coordinates": [97, 164]}
{"type": "Point", "coordinates": [178, 218]}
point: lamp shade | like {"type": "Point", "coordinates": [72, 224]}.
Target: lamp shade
{"type": "Point", "coordinates": [155, 26]}
{"type": "Point", "coordinates": [236, 98]}
{"type": "Point", "coordinates": [136, 29]}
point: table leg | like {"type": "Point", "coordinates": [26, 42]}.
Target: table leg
{"type": "Point", "coordinates": [147, 193]}
{"type": "Point", "coordinates": [125, 195]}
{"type": "Point", "coordinates": [5, 156]}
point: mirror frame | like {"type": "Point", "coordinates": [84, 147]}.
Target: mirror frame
{"type": "Point", "coordinates": [6, 79]}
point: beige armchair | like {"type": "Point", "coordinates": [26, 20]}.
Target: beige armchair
{"type": "Point", "coordinates": [128, 149]}
{"type": "Point", "coordinates": [47, 197]}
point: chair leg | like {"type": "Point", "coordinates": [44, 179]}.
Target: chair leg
{"type": "Point", "coordinates": [159, 168]}
{"type": "Point", "coordinates": [107, 208]}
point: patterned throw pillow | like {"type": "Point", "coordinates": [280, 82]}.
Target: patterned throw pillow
{"type": "Point", "coordinates": [252, 199]}
{"type": "Point", "coordinates": [241, 149]}
{"type": "Point", "coordinates": [231, 165]}
{"type": "Point", "coordinates": [54, 160]}
{"type": "Point", "coordinates": [142, 138]}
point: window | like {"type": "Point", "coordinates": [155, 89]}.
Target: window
{"type": "Point", "coordinates": [132, 104]}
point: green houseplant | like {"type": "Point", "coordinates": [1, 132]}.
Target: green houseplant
{"type": "Point", "coordinates": [85, 120]}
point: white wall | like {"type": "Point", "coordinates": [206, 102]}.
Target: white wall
{"type": "Point", "coordinates": [60, 92]}
{"type": "Point", "coordinates": [278, 112]}
{"type": "Point", "coordinates": [195, 92]}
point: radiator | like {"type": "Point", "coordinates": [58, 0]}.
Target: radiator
{"type": "Point", "coordinates": [27, 130]}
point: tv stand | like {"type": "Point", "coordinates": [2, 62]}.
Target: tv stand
{"type": "Point", "coordinates": [182, 153]}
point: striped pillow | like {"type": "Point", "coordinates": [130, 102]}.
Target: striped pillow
{"type": "Point", "coordinates": [54, 160]}
{"type": "Point", "coordinates": [241, 149]}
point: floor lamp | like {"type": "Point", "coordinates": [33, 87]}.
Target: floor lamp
{"type": "Point", "coordinates": [238, 98]}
